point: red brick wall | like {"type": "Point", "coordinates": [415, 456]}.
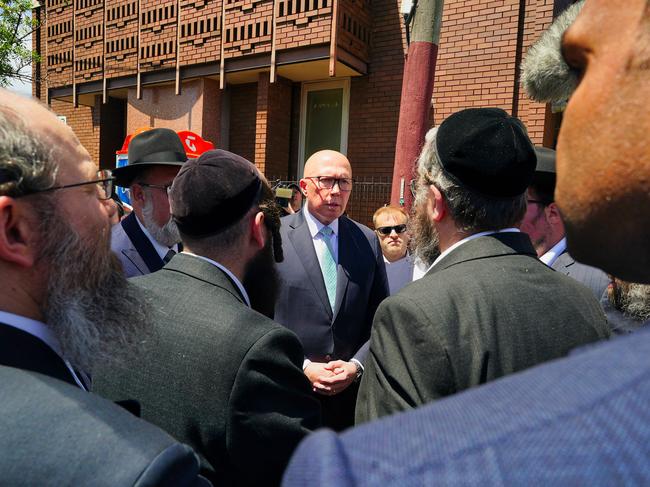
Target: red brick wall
{"type": "Point", "coordinates": [85, 123]}
{"type": "Point", "coordinates": [243, 108]}
{"type": "Point", "coordinates": [476, 61]}
{"type": "Point", "coordinates": [273, 126]}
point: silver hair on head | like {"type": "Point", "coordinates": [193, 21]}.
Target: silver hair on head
{"type": "Point", "coordinates": [26, 164]}
{"type": "Point", "coordinates": [545, 75]}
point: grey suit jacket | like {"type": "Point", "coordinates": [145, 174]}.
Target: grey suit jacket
{"type": "Point", "coordinates": [487, 309]}
{"type": "Point", "coordinates": [53, 433]}
{"type": "Point", "coordinates": [592, 277]}
{"type": "Point", "coordinates": [303, 305]}
{"type": "Point", "coordinates": [580, 420]}
{"type": "Point", "coordinates": [217, 375]}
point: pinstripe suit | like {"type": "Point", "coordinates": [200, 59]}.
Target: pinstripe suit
{"type": "Point", "coordinates": [593, 278]}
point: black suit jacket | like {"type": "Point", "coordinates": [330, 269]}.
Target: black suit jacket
{"type": "Point", "coordinates": [54, 433]}
{"type": "Point", "coordinates": [303, 305]}
{"type": "Point", "coordinates": [217, 375]}
{"type": "Point", "coordinates": [487, 309]}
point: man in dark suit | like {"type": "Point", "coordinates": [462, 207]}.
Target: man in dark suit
{"type": "Point", "coordinates": [487, 307]}
{"type": "Point", "coordinates": [581, 420]}
{"type": "Point", "coordinates": [214, 372]}
{"type": "Point", "coordinates": [332, 279]}
{"type": "Point", "coordinates": [543, 224]}
{"type": "Point", "coordinates": [148, 238]}
{"type": "Point", "coordinates": [64, 307]}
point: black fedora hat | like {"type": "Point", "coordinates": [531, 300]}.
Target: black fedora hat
{"type": "Point", "coordinates": [155, 147]}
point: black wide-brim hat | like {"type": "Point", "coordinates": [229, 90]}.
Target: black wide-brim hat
{"type": "Point", "coordinates": [155, 147]}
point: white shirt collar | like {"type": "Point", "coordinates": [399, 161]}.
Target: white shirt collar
{"type": "Point", "coordinates": [315, 226]}
{"type": "Point", "coordinates": [39, 330]}
{"type": "Point", "coordinates": [551, 256]}
{"type": "Point", "coordinates": [467, 239]}
{"type": "Point", "coordinates": [228, 273]}
{"type": "Point", "coordinates": [161, 250]}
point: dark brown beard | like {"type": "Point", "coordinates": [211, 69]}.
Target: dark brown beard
{"type": "Point", "coordinates": [261, 281]}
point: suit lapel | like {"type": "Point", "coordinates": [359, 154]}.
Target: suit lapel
{"type": "Point", "coordinates": [142, 244]}
{"type": "Point", "coordinates": [134, 257]}
{"type": "Point", "coordinates": [564, 261]}
{"type": "Point", "coordinates": [347, 251]}
{"type": "Point", "coordinates": [303, 244]}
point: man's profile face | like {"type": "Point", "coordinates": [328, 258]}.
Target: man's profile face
{"type": "Point", "coordinates": [159, 176]}
{"type": "Point", "coordinates": [393, 245]}
{"type": "Point", "coordinates": [326, 205]}
{"type": "Point", "coordinates": [603, 157]}
{"type": "Point", "coordinates": [536, 225]}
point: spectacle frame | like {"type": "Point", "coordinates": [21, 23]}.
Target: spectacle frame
{"type": "Point", "coordinates": [328, 182]}
{"type": "Point", "coordinates": [105, 184]}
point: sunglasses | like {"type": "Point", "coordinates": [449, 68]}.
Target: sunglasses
{"type": "Point", "coordinates": [388, 230]}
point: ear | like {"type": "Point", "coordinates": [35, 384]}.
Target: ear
{"type": "Point", "coordinates": [137, 193]}
{"type": "Point", "coordinates": [17, 235]}
{"type": "Point", "coordinates": [303, 186]}
{"type": "Point", "coordinates": [553, 214]}
{"type": "Point", "coordinates": [258, 231]}
{"type": "Point", "coordinates": [438, 205]}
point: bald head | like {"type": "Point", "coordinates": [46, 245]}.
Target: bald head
{"type": "Point", "coordinates": [325, 172]}
{"type": "Point", "coordinates": [324, 158]}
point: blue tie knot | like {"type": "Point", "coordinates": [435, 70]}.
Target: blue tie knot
{"type": "Point", "coordinates": [326, 232]}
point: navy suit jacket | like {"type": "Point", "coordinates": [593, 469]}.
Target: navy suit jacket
{"type": "Point", "coordinates": [303, 306]}
{"type": "Point", "coordinates": [580, 420]}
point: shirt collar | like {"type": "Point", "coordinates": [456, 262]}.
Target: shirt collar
{"type": "Point", "coordinates": [467, 239]}
{"type": "Point", "coordinates": [228, 273]}
{"type": "Point", "coordinates": [316, 226]}
{"type": "Point", "coordinates": [161, 250]}
{"type": "Point", "coordinates": [551, 256]}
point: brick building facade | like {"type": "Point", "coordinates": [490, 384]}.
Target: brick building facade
{"type": "Point", "coordinates": [274, 80]}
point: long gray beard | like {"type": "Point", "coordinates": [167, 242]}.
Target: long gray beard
{"type": "Point", "coordinates": [635, 301]}
{"type": "Point", "coordinates": [96, 315]}
{"type": "Point", "coordinates": [425, 241]}
{"type": "Point", "coordinates": [166, 235]}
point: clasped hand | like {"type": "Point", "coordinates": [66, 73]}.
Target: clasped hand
{"type": "Point", "coordinates": [331, 378]}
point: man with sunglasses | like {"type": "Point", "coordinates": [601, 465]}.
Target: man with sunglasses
{"type": "Point", "coordinates": [391, 227]}
{"type": "Point", "coordinates": [148, 238]}
{"type": "Point", "coordinates": [65, 308]}
{"type": "Point", "coordinates": [332, 280]}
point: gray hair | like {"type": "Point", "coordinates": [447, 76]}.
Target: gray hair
{"type": "Point", "coordinates": [471, 212]}
{"type": "Point", "coordinates": [545, 75]}
{"type": "Point", "coordinates": [26, 163]}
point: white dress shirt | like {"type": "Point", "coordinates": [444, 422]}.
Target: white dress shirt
{"type": "Point", "coordinates": [551, 256]}
{"type": "Point", "coordinates": [161, 250]}
{"type": "Point", "coordinates": [39, 330]}
{"type": "Point", "coordinates": [239, 285]}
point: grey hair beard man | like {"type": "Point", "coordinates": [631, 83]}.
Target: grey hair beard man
{"type": "Point", "coordinates": [65, 308]}
{"type": "Point", "coordinates": [147, 239]}
{"type": "Point", "coordinates": [486, 286]}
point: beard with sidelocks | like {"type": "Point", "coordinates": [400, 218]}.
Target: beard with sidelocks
{"type": "Point", "coordinates": [95, 314]}
{"type": "Point", "coordinates": [166, 235]}
{"type": "Point", "coordinates": [425, 242]}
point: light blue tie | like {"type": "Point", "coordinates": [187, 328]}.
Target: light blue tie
{"type": "Point", "coordinates": [329, 265]}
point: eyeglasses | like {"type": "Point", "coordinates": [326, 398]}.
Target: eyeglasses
{"type": "Point", "coordinates": [327, 182]}
{"type": "Point", "coordinates": [104, 184]}
{"type": "Point", "coordinates": [164, 187]}
{"type": "Point", "coordinates": [388, 230]}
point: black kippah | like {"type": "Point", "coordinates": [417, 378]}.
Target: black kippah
{"type": "Point", "coordinates": [212, 192]}
{"type": "Point", "coordinates": [486, 151]}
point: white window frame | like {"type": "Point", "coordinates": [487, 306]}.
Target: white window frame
{"type": "Point", "coordinates": [308, 86]}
